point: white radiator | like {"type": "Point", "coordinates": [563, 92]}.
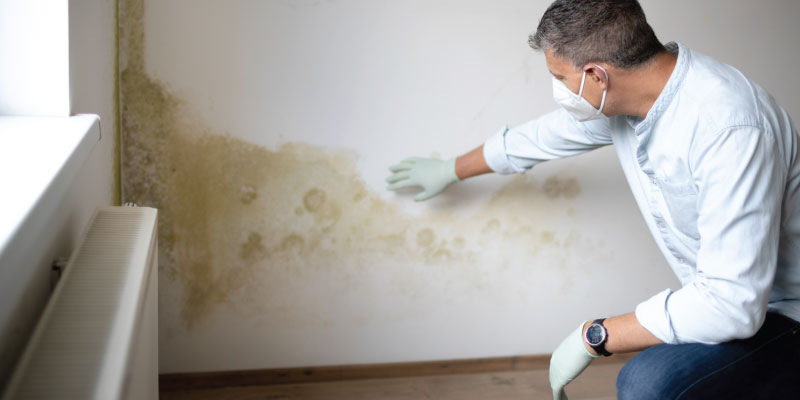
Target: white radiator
{"type": "Point", "coordinates": [98, 335]}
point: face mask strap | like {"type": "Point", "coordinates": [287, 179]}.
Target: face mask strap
{"type": "Point", "coordinates": [583, 80]}
{"type": "Point", "coordinates": [603, 101]}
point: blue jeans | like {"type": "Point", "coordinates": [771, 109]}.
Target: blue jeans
{"type": "Point", "coordinates": [765, 366]}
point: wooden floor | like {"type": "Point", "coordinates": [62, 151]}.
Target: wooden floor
{"type": "Point", "coordinates": [596, 383]}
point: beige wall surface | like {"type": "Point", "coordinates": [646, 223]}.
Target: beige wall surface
{"type": "Point", "coordinates": [263, 132]}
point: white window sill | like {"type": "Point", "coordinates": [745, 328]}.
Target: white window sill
{"type": "Point", "coordinates": [39, 158]}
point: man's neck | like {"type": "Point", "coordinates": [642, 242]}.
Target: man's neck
{"type": "Point", "coordinates": [644, 85]}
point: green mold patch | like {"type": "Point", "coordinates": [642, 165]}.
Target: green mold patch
{"type": "Point", "coordinates": [245, 227]}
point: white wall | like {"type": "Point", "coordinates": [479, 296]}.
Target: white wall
{"type": "Point", "coordinates": [34, 48]}
{"type": "Point", "coordinates": [371, 82]}
{"type": "Point", "coordinates": [91, 72]}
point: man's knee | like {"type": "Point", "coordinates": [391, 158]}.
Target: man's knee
{"type": "Point", "coordinates": [643, 378]}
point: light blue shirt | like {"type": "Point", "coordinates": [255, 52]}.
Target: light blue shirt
{"type": "Point", "coordinates": [714, 169]}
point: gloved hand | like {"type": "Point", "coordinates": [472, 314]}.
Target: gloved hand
{"type": "Point", "coordinates": [430, 174]}
{"type": "Point", "coordinates": [569, 359]}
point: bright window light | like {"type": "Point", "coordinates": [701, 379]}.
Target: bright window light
{"type": "Point", "coordinates": [34, 57]}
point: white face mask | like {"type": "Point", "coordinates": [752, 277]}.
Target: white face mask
{"type": "Point", "coordinates": [576, 105]}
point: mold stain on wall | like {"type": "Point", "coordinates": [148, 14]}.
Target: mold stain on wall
{"type": "Point", "coordinates": [245, 227]}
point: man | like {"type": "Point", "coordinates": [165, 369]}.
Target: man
{"type": "Point", "coordinates": [712, 161]}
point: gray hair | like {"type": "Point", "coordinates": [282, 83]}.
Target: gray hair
{"type": "Point", "coordinates": [583, 31]}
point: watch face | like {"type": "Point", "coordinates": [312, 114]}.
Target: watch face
{"type": "Point", "coordinates": [595, 334]}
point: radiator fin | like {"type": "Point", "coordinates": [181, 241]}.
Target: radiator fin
{"type": "Point", "coordinates": [82, 343]}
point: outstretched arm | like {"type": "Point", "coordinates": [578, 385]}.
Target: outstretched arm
{"type": "Point", "coordinates": [515, 150]}
{"type": "Point", "coordinates": [472, 164]}
{"type": "Point", "coordinates": [433, 175]}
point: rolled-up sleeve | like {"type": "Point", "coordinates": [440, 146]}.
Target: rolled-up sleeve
{"type": "Point", "coordinates": [554, 135]}
{"type": "Point", "coordinates": [740, 179]}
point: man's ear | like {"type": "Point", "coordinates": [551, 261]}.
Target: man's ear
{"type": "Point", "coordinates": [597, 74]}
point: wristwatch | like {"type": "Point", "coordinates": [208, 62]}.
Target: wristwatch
{"type": "Point", "coordinates": [596, 336]}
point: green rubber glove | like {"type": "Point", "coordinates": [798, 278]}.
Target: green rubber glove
{"type": "Point", "coordinates": [569, 359]}
{"type": "Point", "coordinates": [430, 174]}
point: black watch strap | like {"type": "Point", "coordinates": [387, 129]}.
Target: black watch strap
{"type": "Point", "coordinates": [601, 347]}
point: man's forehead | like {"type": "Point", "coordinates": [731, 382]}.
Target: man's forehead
{"type": "Point", "coordinates": [554, 60]}
{"type": "Point", "coordinates": [556, 65]}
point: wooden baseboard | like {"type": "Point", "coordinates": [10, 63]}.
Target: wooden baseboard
{"type": "Point", "coordinates": [276, 376]}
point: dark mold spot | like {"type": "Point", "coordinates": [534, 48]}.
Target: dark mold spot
{"type": "Point", "coordinates": [555, 187]}
{"type": "Point", "coordinates": [253, 248]}
{"type": "Point", "coordinates": [314, 199]}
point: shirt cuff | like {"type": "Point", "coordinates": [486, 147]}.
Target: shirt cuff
{"type": "Point", "coordinates": [494, 152]}
{"type": "Point", "coordinates": [652, 315]}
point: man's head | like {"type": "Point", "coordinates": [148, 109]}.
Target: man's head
{"type": "Point", "coordinates": [580, 32]}
{"type": "Point", "coordinates": [588, 43]}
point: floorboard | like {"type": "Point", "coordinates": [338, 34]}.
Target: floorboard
{"type": "Point", "coordinates": [596, 383]}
